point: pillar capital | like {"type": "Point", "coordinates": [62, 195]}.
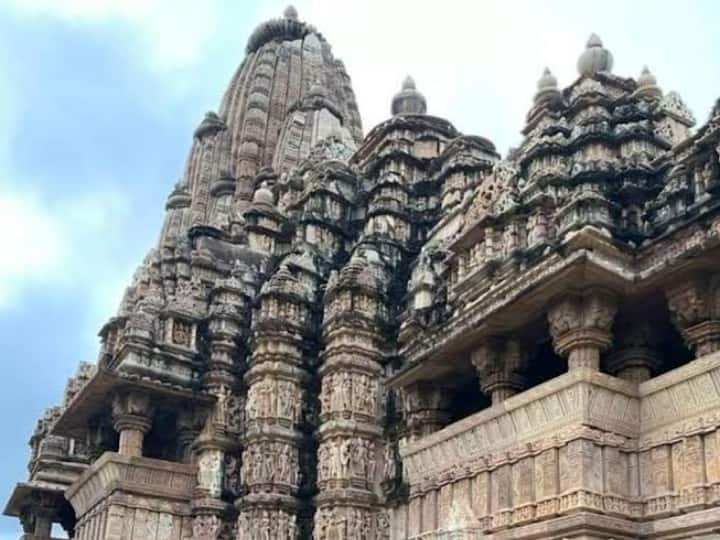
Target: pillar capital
{"type": "Point", "coordinates": [695, 307]}
{"type": "Point", "coordinates": [635, 356]}
{"type": "Point", "coordinates": [132, 418]}
{"type": "Point", "coordinates": [425, 405]}
{"type": "Point", "coordinates": [500, 363]}
{"type": "Point", "coordinates": [580, 326]}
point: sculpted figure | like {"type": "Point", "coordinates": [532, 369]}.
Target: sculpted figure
{"type": "Point", "coordinates": [264, 526]}
{"type": "Point", "coordinates": [345, 391]}
{"type": "Point", "coordinates": [243, 528]}
{"type": "Point", "coordinates": [294, 467]}
{"type": "Point", "coordinates": [284, 464]}
{"type": "Point", "coordinates": [340, 528]}
{"type": "Point", "coordinates": [292, 528]}
{"type": "Point", "coordinates": [325, 395]}
{"type": "Point", "coordinates": [282, 525]}
{"type": "Point", "coordinates": [324, 463]}
{"type": "Point", "coordinates": [336, 394]}
{"type": "Point", "coordinates": [346, 451]}
{"type": "Point", "coordinates": [389, 464]}
{"type": "Point", "coordinates": [335, 460]}
{"type": "Point", "coordinates": [358, 459]}
{"type": "Point", "coordinates": [371, 461]}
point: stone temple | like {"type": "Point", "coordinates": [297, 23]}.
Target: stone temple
{"type": "Point", "coordinates": [402, 335]}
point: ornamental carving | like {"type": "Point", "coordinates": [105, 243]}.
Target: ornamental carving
{"type": "Point", "coordinates": [695, 308]}
{"type": "Point", "coordinates": [580, 326]}
{"type": "Point", "coordinates": [206, 527]}
{"type": "Point", "coordinates": [267, 462]}
{"type": "Point", "coordinates": [348, 459]}
{"type": "Point", "coordinates": [349, 393]}
{"type": "Point", "coordinates": [500, 364]}
{"type": "Point", "coordinates": [267, 525]}
{"type": "Point", "coordinates": [274, 399]}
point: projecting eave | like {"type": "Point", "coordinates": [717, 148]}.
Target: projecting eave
{"type": "Point", "coordinates": [95, 399]}
{"type": "Point", "coordinates": [26, 493]}
{"type": "Point", "coordinates": [495, 307]}
{"type": "Point", "coordinates": [415, 122]}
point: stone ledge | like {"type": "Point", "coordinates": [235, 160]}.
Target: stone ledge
{"type": "Point", "coordinates": [136, 475]}
{"type": "Point", "coordinates": [510, 421]}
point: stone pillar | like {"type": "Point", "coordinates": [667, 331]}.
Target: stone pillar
{"type": "Point", "coordinates": [499, 363]}
{"type": "Point", "coordinates": [695, 308]}
{"type": "Point", "coordinates": [580, 326]}
{"type": "Point", "coordinates": [636, 356]}
{"type": "Point", "coordinates": [189, 425]}
{"type": "Point", "coordinates": [351, 469]}
{"type": "Point", "coordinates": [425, 406]}
{"type": "Point", "coordinates": [132, 419]}
{"type": "Point", "coordinates": [275, 433]}
{"type": "Point", "coordinates": [216, 448]}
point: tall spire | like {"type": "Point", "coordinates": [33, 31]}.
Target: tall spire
{"type": "Point", "coordinates": [595, 58]}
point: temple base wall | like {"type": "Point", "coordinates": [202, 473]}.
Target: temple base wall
{"type": "Point", "coordinates": [584, 455]}
{"type": "Point", "coordinates": [123, 497]}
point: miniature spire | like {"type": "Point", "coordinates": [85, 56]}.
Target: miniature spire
{"type": "Point", "coordinates": [291, 13]}
{"type": "Point", "coordinates": [547, 88]}
{"type": "Point", "coordinates": [647, 86]}
{"type": "Point", "coordinates": [408, 100]}
{"type": "Point", "coordinates": [595, 58]}
{"type": "Point", "coordinates": [263, 195]}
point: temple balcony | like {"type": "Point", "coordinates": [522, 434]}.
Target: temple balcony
{"type": "Point", "coordinates": [584, 450]}
{"type": "Point", "coordinates": [119, 495]}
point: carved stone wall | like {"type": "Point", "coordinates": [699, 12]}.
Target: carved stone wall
{"type": "Point", "coordinates": [122, 497]}
{"type": "Point", "coordinates": [583, 442]}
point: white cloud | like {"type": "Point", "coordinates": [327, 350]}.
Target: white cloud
{"type": "Point", "coordinates": [34, 246]}
{"type": "Point", "coordinates": [173, 33]}
{"type": "Point", "coordinates": [59, 244]}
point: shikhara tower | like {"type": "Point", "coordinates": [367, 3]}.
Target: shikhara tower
{"type": "Point", "coordinates": [404, 336]}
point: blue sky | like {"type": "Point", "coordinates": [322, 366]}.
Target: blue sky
{"type": "Point", "coordinates": [99, 98]}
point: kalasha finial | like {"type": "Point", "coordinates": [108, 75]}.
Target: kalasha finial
{"type": "Point", "coordinates": [290, 13]}
{"type": "Point", "coordinates": [595, 58]}
{"type": "Point", "coordinates": [547, 80]}
{"type": "Point", "coordinates": [408, 83]}
{"type": "Point", "coordinates": [547, 87]}
{"type": "Point", "coordinates": [408, 100]}
{"type": "Point", "coordinates": [594, 41]}
{"type": "Point", "coordinates": [647, 85]}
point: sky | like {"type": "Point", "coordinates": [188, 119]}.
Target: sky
{"type": "Point", "coordinates": [99, 98]}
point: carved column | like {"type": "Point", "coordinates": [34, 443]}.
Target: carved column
{"type": "Point", "coordinates": [500, 364]}
{"type": "Point", "coordinates": [695, 308]}
{"type": "Point", "coordinates": [636, 356]}
{"type": "Point", "coordinates": [217, 446]}
{"type": "Point", "coordinates": [425, 406]}
{"type": "Point", "coordinates": [132, 419]}
{"type": "Point", "coordinates": [275, 438]}
{"type": "Point", "coordinates": [580, 326]}
{"type": "Point", "coordinates": [350, 434]}
{"type": "Point", "coordinates": [189, 425]}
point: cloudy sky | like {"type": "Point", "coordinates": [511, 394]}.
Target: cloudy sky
{"type": "Point", "coordinates": [98, 100]}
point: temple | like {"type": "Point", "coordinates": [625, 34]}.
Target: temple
{"type": "Point", "coordinates": [402, 335]}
